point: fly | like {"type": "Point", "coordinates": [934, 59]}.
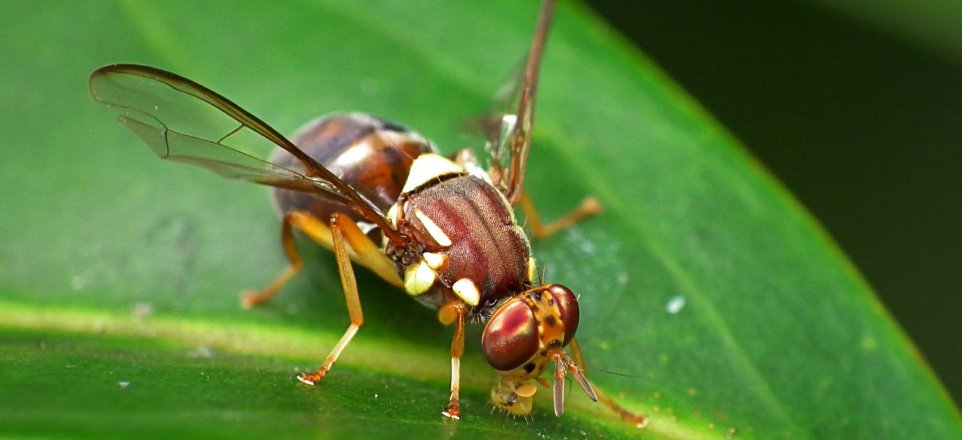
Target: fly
{"type": "Point", "coordinates": [380, 195]}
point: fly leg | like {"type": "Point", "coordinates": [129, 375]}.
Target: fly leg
{"type": "Point", "coordinates": [343, 232]}
{"type": "Point", "coordinates": [364, 252]}
{"type": "Point", "coordinates": [588, 207]}
{"type": "Point", "coordinates": [454, 313]}
{"type": "Point", "coordinates": [636, 419]}
{"type": "Point", "coordinates": [304, 222]}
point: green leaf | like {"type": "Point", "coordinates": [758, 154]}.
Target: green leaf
{"type": "Point", "coordinates": [711, 301]}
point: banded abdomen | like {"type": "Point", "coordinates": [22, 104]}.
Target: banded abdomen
{"type": "Point", "coordinates": [371, 155]}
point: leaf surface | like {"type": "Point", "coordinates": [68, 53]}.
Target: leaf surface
{"type": "Point", "coordinates": [711, 301]}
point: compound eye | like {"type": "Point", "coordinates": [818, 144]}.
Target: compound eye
{"type": "Point", "coordinates": [511, 336]}
{"type": "Point", "coordinates": [568, 308]}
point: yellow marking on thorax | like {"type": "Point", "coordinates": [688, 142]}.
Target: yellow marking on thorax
{"type": "Point", "coordinates": [418, 278]}
{"type": "Point", "coordinates": [531, 272]}
{"type": "Point", "coordinates": [467, 291]}
{"type": "Point", "coordinates": [437, 234]}
{"type": "Point", "coordinates": [393, 213]}
{"type": "Point", "coordinates": [426, 167]}
{"type": "Point", "coordinates": [434, 260]}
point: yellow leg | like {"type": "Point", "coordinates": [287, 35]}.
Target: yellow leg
{"type": "Point", "coordinates": [362, 251]}
{"type": "Point", "coordinates": [343, 229]}
{"type": "Point", "coordinates": [454, 313]}
{"type": "Point", "coordinates": [588, 207]}
{"type": "Point", "coordinates": [638, 420]}
{"type": "Point", "coordinates": [253, 298]}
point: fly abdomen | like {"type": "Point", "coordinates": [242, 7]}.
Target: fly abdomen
{"type": "Point", "coordinates": [371, 155]}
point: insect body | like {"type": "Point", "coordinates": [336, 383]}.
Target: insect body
{"type": "Point", "coordinates": [371, 155]}
{"type": "Point", "coordinates": [441, 228]}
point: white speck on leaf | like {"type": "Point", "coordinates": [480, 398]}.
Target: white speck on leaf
{"type": "Point", "coordinates": [200, 352]}
{"type": "Point", "coordinates": [676, 304]}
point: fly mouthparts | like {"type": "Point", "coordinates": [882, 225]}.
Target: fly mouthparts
{"type": "Point", "coordinates": [564, 363]}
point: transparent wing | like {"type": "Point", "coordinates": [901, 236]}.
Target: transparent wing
{"type": "Point", "coordinates": [496, 124]}
{"type": "Point", "coordinates": [508, 125]}
{"type": "Point", "coordinates": [183, 121]}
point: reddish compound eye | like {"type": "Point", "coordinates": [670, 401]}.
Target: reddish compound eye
{"type": "Point", "coordinates": [511, 336]}
{"type": "Point", "coordinates": [569, 308]}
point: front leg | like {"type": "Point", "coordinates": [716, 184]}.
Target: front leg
{"type": "Point", "coordinates": [636, 419]}
{"type": "Point", "coordinates": [454, 312]}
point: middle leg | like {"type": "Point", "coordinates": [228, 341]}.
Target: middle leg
{"type": "Point", "coordinates": [636, 419]}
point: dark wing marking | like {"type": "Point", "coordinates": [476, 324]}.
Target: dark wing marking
{"type": "Point", "coordinates": [183, 121]}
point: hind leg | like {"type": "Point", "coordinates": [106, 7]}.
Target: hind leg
{"type": "Point", "coordinates": [304, 222]}
{"type": "Point", "coordinates": [588, 207]}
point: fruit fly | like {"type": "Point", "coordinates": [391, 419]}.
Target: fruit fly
{"type": "Point", "coordinates": [380, 195]}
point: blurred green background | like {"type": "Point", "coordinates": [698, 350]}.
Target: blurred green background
{"type": "Point", "coordinates": [855, 107]}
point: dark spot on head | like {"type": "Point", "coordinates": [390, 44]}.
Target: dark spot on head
{"type": "Point", "coordinates": [534, 308]}
{"type": "Point", "coordinates": [551, 301]}
{"type": "Point", "coordinates": [529, 367]}
{"type": "Point", "coordinates": [550, 321]}
{"type": "Point", "coordinates": [555, 343]}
